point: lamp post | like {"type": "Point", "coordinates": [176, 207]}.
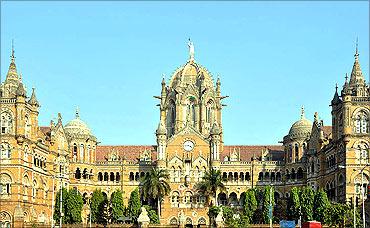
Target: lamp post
{"type": "Point", "coordinates": [270, 209]}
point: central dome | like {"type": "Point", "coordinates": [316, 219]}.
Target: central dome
{"type": "Point", "coordinates": [191, 73]}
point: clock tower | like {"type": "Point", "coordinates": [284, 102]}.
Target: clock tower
{"type": "Point", "coordinates": [189, 134]}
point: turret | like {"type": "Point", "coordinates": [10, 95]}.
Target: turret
{"type": "Point", "coordinates": [215, 145]}
{"type": "Point", "coordinates": [161, 134]}
{"type": "Point", "coordinates": [33, 100]}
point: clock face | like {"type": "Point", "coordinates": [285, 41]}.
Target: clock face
{"type": "Point", "coordinates": [188, 145]}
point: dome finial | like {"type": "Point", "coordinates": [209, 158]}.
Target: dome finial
{"type": "Point", "coordinates": [302, 112]}
{"type": "Point", "coordinates": [191, 50]}
{"type": "Point", "coordinates": [356, 54]}
{"type": "Point", "coordinates": [12, 56]}
{"type": "Point", "coordinates": [77, 113]}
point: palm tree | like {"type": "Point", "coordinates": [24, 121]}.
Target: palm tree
{"type": "Point", "coordinates": [155, 186]}
{"type": "Point", "coordinates": [212, 181]}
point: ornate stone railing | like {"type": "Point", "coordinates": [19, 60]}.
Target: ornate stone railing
{"type": "Point", "coordinates": [7, 100]}
{"type": "Point", "coordinates": [361, 99]}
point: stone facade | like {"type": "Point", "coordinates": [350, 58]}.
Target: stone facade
{"type": "Point", "coordinates": [37, 160]}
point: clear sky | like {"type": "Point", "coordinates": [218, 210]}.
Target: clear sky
{"type": "Point", "coordinates": [108, 58]}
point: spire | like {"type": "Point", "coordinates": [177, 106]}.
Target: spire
{"type": "Point", "coordinates": [302, 113]}
{"type": "Point", "coordinates": [33, 100]}
{"type": "Point", "coordinates": [77, 113]}
{"type": "Point", "coordinates": [336, 99]}
{"type": "Point", "coordinates": [12, 71]}
{"type": "Point", "coordinates": [356, 74]}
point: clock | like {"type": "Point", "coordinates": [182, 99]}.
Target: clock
{"type": "Point", "coordinates": [188, 145]}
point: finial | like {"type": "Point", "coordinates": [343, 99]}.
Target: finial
{"type": "Point", "coordinates": [191, 50]}
{"type": "Point", "coordinates": [20, 76]}
{"type": "Point", "coordinates": [302, 112]}
{"type": "Point", "coordinates": [12, 56]}
{"type": "Point", "coordinates": [336, 87]}
{"type": "Point", "coordinates": [356, 54]}
{"type": "Point", "coordinates": [59, 117]}
{"type": "Point", "coordinates": [77, 113]}
{"type": "Point", "coordinates": [346, 77]}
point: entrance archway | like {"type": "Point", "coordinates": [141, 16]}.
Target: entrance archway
{"type": "Point", "coordinates": [188, 223]}
{"type": "Point", "coordinates": [5, 220]}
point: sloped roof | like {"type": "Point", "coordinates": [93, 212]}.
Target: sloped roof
{"type": "Point", "coordinates": [132, 152]}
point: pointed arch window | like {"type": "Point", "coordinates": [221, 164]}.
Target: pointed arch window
{"type": "Point", "coordinates": [74, 152]}
{"type": "Point", "coordinates": [6, 151]}
{"type": "Point", "coordinates": [27, 127]}
{"type": "Point", "coordinates": [361, 123]}
{"type": "Point", "coordinates": [191, 111]}
{"type": "Point", "coordinates": [209, 112]}
{"type": "Point", "coordinates": [6, 123]}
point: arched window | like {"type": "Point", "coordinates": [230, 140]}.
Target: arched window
{"type": "Point", "coordinates": [173, 221]}
{"type": "Point", "coordinates": [362, 153]}
{"type": "Point", "coordinates": [290, 153]}
{"type": "Point", "coordinates": [6, 123]}
{"type": "Point", "coordinates": [175, 199]}
{"type": "Point", "coordinates": [78, 173]}
{"type": "Point", "coordinates": [27, 127]}
{"type": "Point", "coordinates": [209, 112]}
{"type": "Point", "coordinates": [188, 199]}
{"type": "Point", "coordinates": [296, 150]}
{"type": "Point", "coordinates": [118, 177]}
{"type": "Point", "coordinates": [191, 111]}
{"type": "Point", "coordinates": [260, 176]}
{"type": "Point", "coordinates": [6, 151]}
{"type": "Point", "coordinates": [361, 123]}
{"type": "Point", "coordinates": [105, 176]}
{"type": "Point", "coordinates": [131, 177]}
{"type": "Point", "coordinates": [5, 184]}
{"type": "Point", "coordinates": [74, 151]}
{"type": "Point", "coordinates": [85, 174]}
{"type": "Point", "coordinates": [100, 176]}
{"type": "Point", "coordinates": [111, 176]}
{"type": "Point", "coordinates": [81, 152]}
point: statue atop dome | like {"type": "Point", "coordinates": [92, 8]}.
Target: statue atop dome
{"type": "Point", "coordinates": [191, 50]}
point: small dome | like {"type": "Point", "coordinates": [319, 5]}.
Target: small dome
{"type": "Point", "coordinates": [301, 128]}
{"type": "Point", "coordinates": [77, 127]}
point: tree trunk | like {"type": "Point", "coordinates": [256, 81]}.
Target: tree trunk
{"type": "Point", "coordinates": [159, 208]}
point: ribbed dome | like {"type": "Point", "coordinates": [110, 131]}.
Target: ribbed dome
{"type": "Point", "coordinates": [191, 73]}
{"type": "Point", "coordinates": [77, 127]}
{"type": "Point", "coordinates": [301, 128]}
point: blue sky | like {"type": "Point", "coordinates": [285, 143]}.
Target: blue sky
{"type": "Point", "coordinates": [108, 58]}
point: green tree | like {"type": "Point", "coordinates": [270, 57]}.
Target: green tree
{"type": "Point", "coordinates": [338, 215]}
{"type": "Point", "coordinates": [97, 204]}
{"type": "Point", "coordinates": [154, 219]}
{"type": "Point", "coordinates": [250, 204]}
{"type": "Point", "coordinates": [117, 205]}
{"type": "Point", "coordinates": [321, 203]}
{"type": "Point", "coordinates": [212, 182]}
{"type": "Point", "coordinates": [307, 201]}
{"type": "Point", "coordinates": [294, 204]}
{"type": "Point", "coordinates": [74, 204]}
{"type": "Point", "coordinates": [155, 186]}
{"type": "Point", "coordinates": [134, 205]}
{"type": "Point", "coordinates": [268, 200]}
{"type": "Point", "coordinates": [56, 214]}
